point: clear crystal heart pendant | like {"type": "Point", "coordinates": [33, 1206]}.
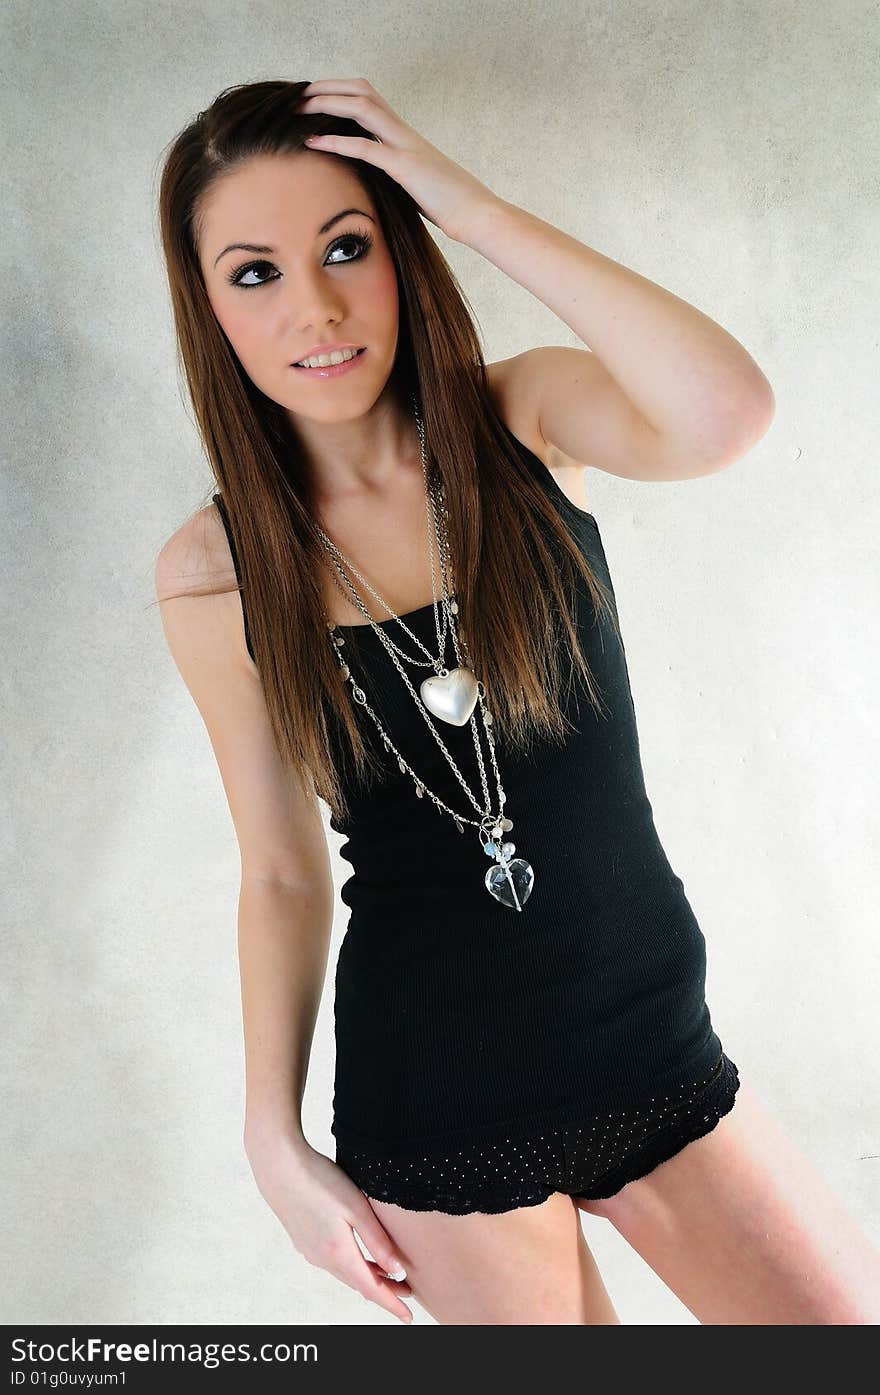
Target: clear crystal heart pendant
{"type": "Point", "coordinates": [451, 696]}
{"type": "Point", "coordinates": [511, 880]}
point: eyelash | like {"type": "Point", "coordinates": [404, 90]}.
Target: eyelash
{"type": "Point", "coordinates": [364, 241]}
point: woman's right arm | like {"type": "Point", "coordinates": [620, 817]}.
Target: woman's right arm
{"type": "Point", "coordinates": [285, 917]}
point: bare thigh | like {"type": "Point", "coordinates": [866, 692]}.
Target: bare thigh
{"type": "Point", "coordinates": [531, 1265]}
{"type": "Point", "coordinates": [744, 1230]}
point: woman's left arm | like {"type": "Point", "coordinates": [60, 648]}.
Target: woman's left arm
{"type": "Point", "coordinates": [666, 393]}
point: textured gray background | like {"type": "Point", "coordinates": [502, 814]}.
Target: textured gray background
{"type": "Point", "coordinates": [728, 151]}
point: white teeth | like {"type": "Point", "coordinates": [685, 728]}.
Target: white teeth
{"type": "Point", "coordinates": [326, 360]}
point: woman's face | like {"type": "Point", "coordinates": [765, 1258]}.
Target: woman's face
{"type": "Point", "coordinates": [308, 284]}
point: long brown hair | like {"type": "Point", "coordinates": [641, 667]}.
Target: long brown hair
{"type": "Point", "coordinates": [515, 564]}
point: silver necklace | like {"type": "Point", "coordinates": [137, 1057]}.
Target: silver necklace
{"type": "Point", "coordinates": [449, 695]}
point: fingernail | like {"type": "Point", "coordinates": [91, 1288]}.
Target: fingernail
{"type": "Point", "coordinates": [396, 1271]}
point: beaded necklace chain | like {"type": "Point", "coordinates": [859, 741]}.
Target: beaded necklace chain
{"type": "Point", "coordinates": [449, 695]}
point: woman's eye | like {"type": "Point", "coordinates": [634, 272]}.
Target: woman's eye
{"type": "Point", "coordinates": [361, 242]}
{"type": "Point", "coordinates": [237, 278]}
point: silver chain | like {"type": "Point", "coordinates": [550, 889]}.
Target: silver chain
{"type": "Point", "coordinates": [489, 824]}
{"type": "Point", "coordinates": [434, 498]}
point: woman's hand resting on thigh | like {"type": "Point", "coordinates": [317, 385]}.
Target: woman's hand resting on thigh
{"type": "Point", "coordinates": [320, 1207]}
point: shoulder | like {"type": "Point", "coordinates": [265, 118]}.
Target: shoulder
{"type": "Point", "coordinates": [278, 823]}
{"type": "Point", "coordinates": [194, 556]}
{"type": "Point", "coordinates": [517, 407]}
{"type": "Point", "coordinates": [516, 384]}
{"type": "Point", "coordinates": [519, 383]}
{"type": "Point", "coordinates": [197, 589]}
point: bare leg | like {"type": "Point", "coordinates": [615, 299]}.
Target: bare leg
{"type": "Point", "coordinates": [744, 1230]}
{"type": "Point", "coordinates": [529, 1266]}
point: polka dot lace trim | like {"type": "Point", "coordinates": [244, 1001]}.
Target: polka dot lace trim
{"type": "Point", "coordinates": [591, 1158]}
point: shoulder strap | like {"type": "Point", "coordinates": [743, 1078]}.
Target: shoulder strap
{"type": "Point", "coordinates": [221, 509]}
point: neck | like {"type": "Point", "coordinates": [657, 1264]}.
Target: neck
{"type": "Point", "coordinates": [363, 458]}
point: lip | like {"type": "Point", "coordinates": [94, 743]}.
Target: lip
{"type": "Point", "coordinates": [333, 370]}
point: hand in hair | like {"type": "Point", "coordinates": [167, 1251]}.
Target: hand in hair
{"type": "Point", "coordinates": [447, 195]}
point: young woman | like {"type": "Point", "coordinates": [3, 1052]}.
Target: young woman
{"type": "Point", "coordinates": [415, 622]}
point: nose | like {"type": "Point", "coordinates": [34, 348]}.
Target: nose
{"type": "Point", "coordinates": [313, 300]}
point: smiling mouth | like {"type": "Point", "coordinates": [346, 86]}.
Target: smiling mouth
{"type": "Point", "coordinates": [308, 367]}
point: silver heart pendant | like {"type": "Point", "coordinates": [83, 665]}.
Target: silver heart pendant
{"type": "Point", "coordinates": [511, 883]}
{"type": "Point", "coordinates": [451, 697]}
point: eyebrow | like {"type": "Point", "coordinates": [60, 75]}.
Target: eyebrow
{"type": "Point", "coordinates": [325, 227]}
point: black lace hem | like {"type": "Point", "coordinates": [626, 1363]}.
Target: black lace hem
{"type": "Point", "coordinates": [699, 1120]}
{"type": "Point", "coordinates": [592, 1159]}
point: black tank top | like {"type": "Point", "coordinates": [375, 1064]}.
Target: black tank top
{"type": "Point", "coordinates": [457, 1018]}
